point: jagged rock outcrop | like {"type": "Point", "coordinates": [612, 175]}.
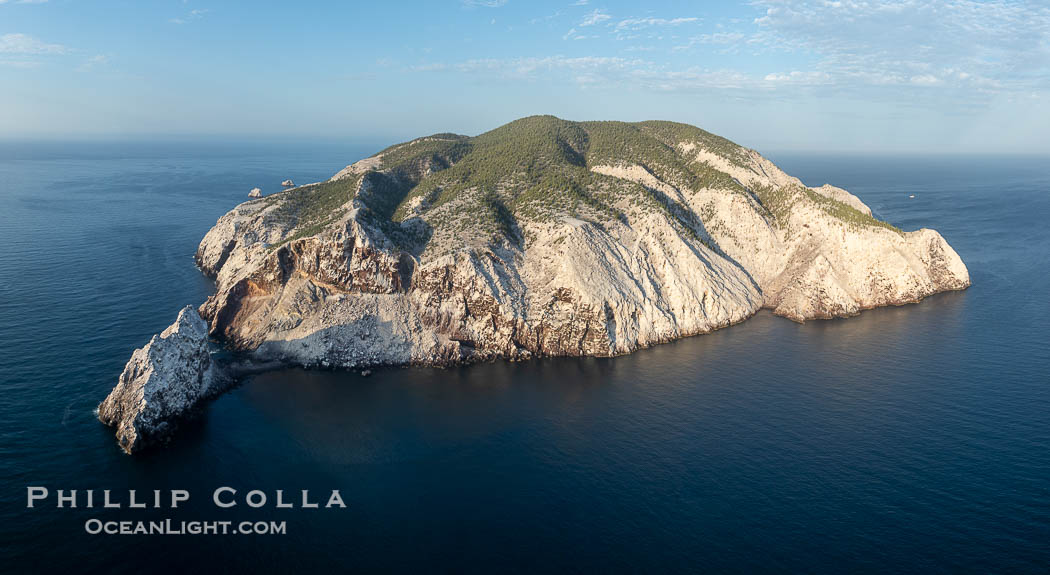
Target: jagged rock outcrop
{"type": "Point", "coordinates": [288, 184]}
{"type": "Point", "coordinates": [540, 238]}
{"type": "Point", "coordinates": [161, 383]}
{"type": "Point", "coordinates": [255, 193]}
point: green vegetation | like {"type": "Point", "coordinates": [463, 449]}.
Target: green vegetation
{"type": "Point", "coordinates": [535, 169]}
{"type": "Point", "coordinates": [437, 152]}
{"type": "Point", "coordinates": [671, 133]}
{"type": "Point", "coordinates": [523, 154]}
{"type": "Point", "coordinates": [618, 143]}
{"type": "Point", "coordinates": [310, 209]}
{"type": "Point", "coordinates": [540, 168]}
{"type": "Point", "coordinates": [780, 202]}
{"type": "Point", "coordinates": [847, 213]}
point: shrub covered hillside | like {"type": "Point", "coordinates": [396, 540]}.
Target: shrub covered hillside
{"type": "Point", "coordinates": [446, 191]}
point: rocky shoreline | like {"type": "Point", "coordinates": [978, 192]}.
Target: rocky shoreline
{"type": "Point", "coordinates": [411, 257]}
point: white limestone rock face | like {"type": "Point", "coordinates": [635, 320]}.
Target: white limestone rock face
{"type": "Point", "coordinates": [161, 383]}
{"type": "Point", "coordinates": [349, 290]}
{"type": "Point", "coordinates": [348, 300]}
{"type": "Point", "coordinates": [394, 270]}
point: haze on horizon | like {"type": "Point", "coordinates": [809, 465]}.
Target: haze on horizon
{"type": "Point", "coordinates": [943, 76]}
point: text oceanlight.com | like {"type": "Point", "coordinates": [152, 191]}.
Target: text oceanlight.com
{"type": "Point", "coordinates": [169, 527]}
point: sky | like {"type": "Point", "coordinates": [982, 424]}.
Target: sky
{"type": "Point", "coordinates": [860, 76]}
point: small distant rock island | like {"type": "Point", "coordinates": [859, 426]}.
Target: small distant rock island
{"type": "Point", "coordinates": [543, 237]}
{"type": "Point", "coordinates": [255, 193]}
{"type": "Point", "coordinates": [288, 184]}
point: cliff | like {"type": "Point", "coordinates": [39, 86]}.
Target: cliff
{"type": "Point", "coordinates": [542, 238]}
{"type": "Point", "coordinates": [163, 382]}
{"type": "Point", "coordinates": [548, 237]}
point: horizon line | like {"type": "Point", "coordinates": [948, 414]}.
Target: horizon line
{"type": "Point", "coordinates": [382, 141]}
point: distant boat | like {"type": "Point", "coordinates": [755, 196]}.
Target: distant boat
{"type": "Point", "coordinates": [912, 196]}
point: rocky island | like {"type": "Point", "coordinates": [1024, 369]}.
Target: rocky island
{"type": "Point", "coordinates": [543, 237]}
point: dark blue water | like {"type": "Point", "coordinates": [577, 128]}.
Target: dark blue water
{"type": "Point", "coordinates": [908, 439]}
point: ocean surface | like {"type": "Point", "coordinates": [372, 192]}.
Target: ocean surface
{"type": "Point", "coordinates": [912, 439]}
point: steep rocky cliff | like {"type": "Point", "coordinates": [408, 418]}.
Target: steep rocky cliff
{"type": "Point", "coordinates": [548, 237]}
{"type": "Point", "coordinates": [161, 383]}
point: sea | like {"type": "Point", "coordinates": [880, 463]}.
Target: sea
{"type": "Point", "coordinates": [912, 439]}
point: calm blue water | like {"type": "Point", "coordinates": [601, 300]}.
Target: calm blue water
{"type": "Point", "coordinates": [909, 439]}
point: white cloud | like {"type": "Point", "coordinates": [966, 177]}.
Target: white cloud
{"type": "Point", "coordinates": [195, 14]}
{"type": "Point", "coordinates": [923, 53]}
{"type": "Point", "coordinates": [19, 63]}
{"type": "Point", "coordinates": [526, 66]}
{"type": "Point", "coordinates": [973, 48]}
{"type": "Point", "coordinates": [797, 78]}
{"type": "Point", "coordinates": [720, 38]}
{"type": "Point", "coordinates": [26, 44]}
{"type": "Point", "coordinates": [573, 34]}
{"type": "Point", "coordinates": [93, 62]}
{"type": "Point", "coordinates": [432, 67]}
{"type": "Point", "coordinates": [926, 80]}
{"type": "Point", "coordinates": [639, 23]}
{"type": "Point", "coordinates": [693, 79]}
{"type": "Point", "coordinates": [596, 70]}
{"type": "Point", "coordinates": [596, 17]}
